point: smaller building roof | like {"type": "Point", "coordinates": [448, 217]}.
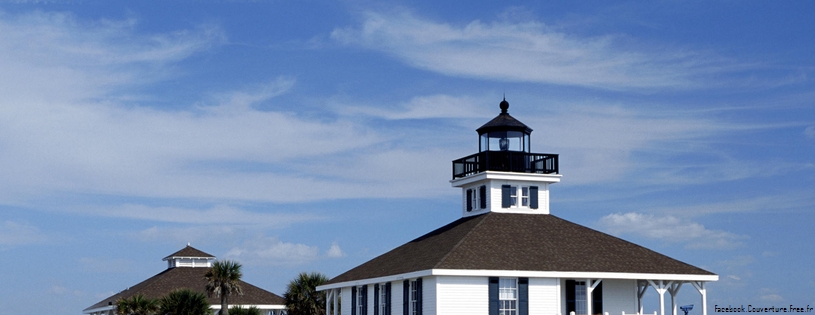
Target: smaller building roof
{"type": "Point", "coordinates": [193, 279]}
{"type": "Point", "coordinates": [176, 278]}
{"type": "Point", "coordinates": [189, 252]}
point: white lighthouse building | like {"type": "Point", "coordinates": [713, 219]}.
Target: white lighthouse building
{"type": "Point", "coordinates": [508, 254]}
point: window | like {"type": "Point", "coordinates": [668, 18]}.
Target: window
{"type": "Point", "coordinates": [513, 196]}
{"type": "Point", "coordinates": [576, 298]}
{"type": "Point", "coordinates": [382, 299]}
{"type": "Point", "coordinates": [474, 198]}
{"type": "Point", "coordinates": [477, 198]}
{"type": "Point", "coordinates": [508, 296]}
{"type": "Point", "coordinates": [580, 297]}
{"type": "Point", "coordinates": [519, 196]}
{"type": "Point", "coordinates": [412, 297]}
{"type": "Point", "coordinates": [361, 301]}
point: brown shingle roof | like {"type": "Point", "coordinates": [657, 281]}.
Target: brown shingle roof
{"type": "Point", "coordinates": [189, 251]}
{"type": "Point", "coordinates": [193, 279]}
{"type": "Point", "coordinates": [504, 241]}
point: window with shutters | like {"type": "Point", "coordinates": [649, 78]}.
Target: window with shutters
{"type": "Point", "coordinates": [383, 299]}
{"type": "Point", "coordinates": [508, 296]}
{"type": "Point", "coordinates": [414, 298]}
{"type": "Point", "coordinates": [477, 198]}
{"type": "Point", "coordinates": [580, 297]}
{"type": "Point", "coordinates": [361, 300]}
{"type": "Point", "coordinates": [519, 196]}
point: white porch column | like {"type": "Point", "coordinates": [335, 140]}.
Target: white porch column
{"type": "Point", "coordinates": [337, 295]}
{"type": "Point", "coordinates": [328, 297]}
{"type": "Point", "coordinates": [700, 286]}
{"type": "Point", "coordinates": [661, 288]}
{"type": "Point", "coordinates": [642, 287]}
{"type": "Point", "coordinates": [589, 289]}
{"type": "Point", "coordinates": [674, 289]}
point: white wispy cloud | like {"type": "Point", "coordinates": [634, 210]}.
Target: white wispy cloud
{"type": "Point", "coordinates": [13, 233]}
{"type": "Point", "coordinates": [217, 215]}
{"type": "Point", "coordinates": [670, 229]}
{"type": "Point", "coordinates": [809, 132]}
{"type": "Point", "coordinates": [790, 201]}
{"type": "Point", "coordinates": [425, 107]}
{"type": "Point", "coordinates": [270, 251]}
{"type": "Point", "coordinates": [527, 51]}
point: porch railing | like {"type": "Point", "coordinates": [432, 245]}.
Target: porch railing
{"type": "Point", "coordinates": [505, 161]}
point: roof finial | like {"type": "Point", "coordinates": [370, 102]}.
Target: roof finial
{"type": "Point", "coordinates": [504, 105]}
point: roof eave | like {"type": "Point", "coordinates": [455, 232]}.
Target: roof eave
{"type": "Point", "coordinates": [523, 273]}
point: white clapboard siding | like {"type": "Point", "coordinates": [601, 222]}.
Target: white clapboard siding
{"type": "Point", "coordinates": [620, 295]}
{"type": "Point", "coordinates": [543, 296]}
{"type": "Point", "coordinates": [462, 295]}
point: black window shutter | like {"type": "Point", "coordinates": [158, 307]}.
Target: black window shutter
{"type": "Point", "coordinates": [405, 297]}
{"type": "Point", "coordinates": [376, 299]}
{"type": "Point", "coordinates": [364, 294]}
{"type": "Point", "coordinates": [505, 201]}
{"type": "Point", "coordinates": [419, 296]}
{"type": "Point", "coordinates": [493, 291]}
{"type": "Point", "coordinates": [387, 299]}
{"type": "Point", "coordinates": [469, 200]}
{"type": "Point", "coordinates": [354, 300]}
{"type": "Point", "coordinates": [570, 305]}
{"type": "Point", "coordinates": [523, 296]}
{"type": "Point", "coordinates": [533, 197]}
{"type": "Point", "coordinates": [482, 192]}
{"type": "Point", "coordinates": [597, 299]}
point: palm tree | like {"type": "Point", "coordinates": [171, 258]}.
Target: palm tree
{"type": "Point", "coordinates": [185, 302]}
{"type": "Point", "coordinates": [137, 305]}
{"type": "Point", "coordinates": [302, 297]}
{"type": "Point", "coordinates": [223, 279]}
{"type": "Point", "coordinates": [237, 310]}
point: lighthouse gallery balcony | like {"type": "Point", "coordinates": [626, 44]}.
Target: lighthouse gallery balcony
{"type": "Point", "coordinates": [505, 161]}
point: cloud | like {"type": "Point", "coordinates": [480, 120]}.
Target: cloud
{"type": "Point", "coordinates": [527, 52]}
{"type": "Point", "coordinates": [790, 201]}
{"type": "Point", "coordinates": [772, 298]}
{"type": "Point", "coordinates": [425, 107]}
{"type": "Point", "coordinates": [188, 234]}
{"type": "Point", "coordinates": [334, 251]}
{"type": "Point", "coordinates": [221, 215]}
{"type": "Point", "coordinates": [56, 57]}
{"type": "Point", "coordinates": [105, 265]}
{"type": "Point", "coordinates": [19, 233]}
{"type": "Point", "coordinates": [809, 132]}
{"type": "Point", "coordinates": [270, 251]}
{"type": "Point", "coordinates": [670, 229]}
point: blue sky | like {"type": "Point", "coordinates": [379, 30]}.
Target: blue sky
{"type": "Point", "coordinates": [314, 135]}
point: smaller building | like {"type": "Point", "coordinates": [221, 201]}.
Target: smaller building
{"type": "Point", "coordinates": [185, 270]}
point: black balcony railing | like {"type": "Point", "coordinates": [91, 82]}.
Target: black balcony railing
{"type": "Point", "coordinates": [505, 161]}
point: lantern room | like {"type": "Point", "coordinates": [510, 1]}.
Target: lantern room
{"type": "Point", "coordinates": [504, 133]}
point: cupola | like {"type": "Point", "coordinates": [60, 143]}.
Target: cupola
{"type": "Point", "coordinates": [189, 257]}
{"type": "Point", "coordinates": [505, 176]}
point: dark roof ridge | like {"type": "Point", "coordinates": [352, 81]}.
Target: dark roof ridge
{"type": "Point", "coordinates": [463, 238]}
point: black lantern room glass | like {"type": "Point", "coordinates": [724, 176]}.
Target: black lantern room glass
{"type": "Point", "coordinates": [507, 134]}
{"type": "Point", "coordinates": [504, 141]}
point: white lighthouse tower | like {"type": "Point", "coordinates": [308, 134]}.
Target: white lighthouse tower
{"type": "Point", "coordinates": [505, 176]}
